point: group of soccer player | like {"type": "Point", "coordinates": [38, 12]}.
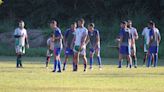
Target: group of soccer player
{"type": "Point", "coordinates": [75, 41]}
{"type": "Point", "coordinates": [127, 46]}
{"type": "Point", "coordinates": [77, 37]}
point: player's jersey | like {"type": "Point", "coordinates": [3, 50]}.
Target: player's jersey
{"type": "Point", "coordinates": [126, 35]}
{"type": "Point", "coordinates": [69, 35]}
{"type": "Point", "coordinates": [79, 34]}
{"type": "Point", "coordinates": [154, 34]}
{"type": "Point", "coordinates": [20, 40]}
{"type": "Point", "coordinates": [133, 32]}
{"type": "Point", "coordinates": [58, 42]}
{"type": "Point", "coordinates": [93, 38]}
{"type": "Point", "coordinates": [145, 34]}
{"type": "Point", "coordinates": [50, 43]}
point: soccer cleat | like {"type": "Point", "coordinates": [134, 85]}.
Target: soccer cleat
{"type": "Point", "coordinates": [90, 68]}
{"type": "Point", "coordinates": [85, 70]}
{"type": "Point", "coordinates": [54, 71]}
{"type": "Point", "coordinates": [135, 66]}
{"type": "Point", "coordinates": [119, 67]}
{"type": "Point", "coordinates": [59, 71]}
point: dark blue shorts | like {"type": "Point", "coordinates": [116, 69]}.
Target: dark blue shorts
{"type": "Point", "coordinates": [68, 51]}
{"type": "Point", "coordinates": [153, 49]}
{"type": "Point", "coordinates": [57, 51]}
{"type": "Point", "coordinates": [125, 50]}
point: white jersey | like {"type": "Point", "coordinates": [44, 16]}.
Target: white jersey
{"type": "Point", "coordinates": [23, 34]}
{"type": "Point", "coordinates": [50, 43]}
{"type": "Point", "coordinates": [133, 32]}
{"type": "Point", "coordinates": [79, 34]}
{"type": "Point", "coordinates": [145, 33]}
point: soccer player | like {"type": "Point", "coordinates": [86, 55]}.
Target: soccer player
{"type": "Point", "coordinates": [94, 38]}
{"type": "Point", "coordinates": [80, 37]}
{"type": "Point", "coordinates": [124, 44]}
{"type": "Point", "coordinates": [145, 37]}
{"type": "Point", "coordinates": [154, 41]}
{"type": "Point", "coordinates": [50, 45]}
{"type": "Point", "coordinates": [21, 41]}
{"type": "Point", "coordinates": [134, 37]}
{"type": "Point", "coordinates": [69, 43]}
{"type": "Point", "coordinates": [57, 45]}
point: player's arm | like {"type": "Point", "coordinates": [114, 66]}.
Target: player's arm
{"type": "Point", "coordinates": [136, 35]}
{"type": "Point", "coordinates": [87, 40]}
{"type": "Point", "coordinates": [83, 41]}
{"type": "Point", "coordinates": [26, 40]}
{"type": "Point", "coordinates": [16, 34]}
{"type": "Point", "coordinates": [159, 37]}
{"type": "Point", "coordinates": [97, 39]}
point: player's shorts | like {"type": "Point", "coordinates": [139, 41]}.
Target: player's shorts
{"type": "Point", "coordinates": [68, 51]}
{"type": "Point", "coordinates": [81, 51]}
{"type": "Point", "coordinates": [125, 50]}
{"type": "Point", "coordinates": [92, 50]}
{"type": "Point", "coordinates": [133, 49]}
{"type": "Point", "coordinates": [153, 49]}
{"type": "Point", "coordinates": [20, 49]}
{"type": "Point", "coordinates": [146, 47]}
{"type": "Point", "coordinates": [49, 53]}
{"type": "Point", "coordinates": [57, 51]}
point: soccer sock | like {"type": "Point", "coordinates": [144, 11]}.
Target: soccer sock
{"type": "Point", "coordinates": [99, 60]}
{"type": "Point", "coordinates": [48, 58]}
{"type": "Point", "coordinates": [64, 65]}
{"type": "Point", "coordinates": [55, 64]}
{"type": "Point", "coordinates": [135, 61]}
{"type": "Point", "coordinates": [155, 60]}
{"type": "Point", "coordinates": [127, 63]}
{"type": "Point", "coordinates": [149, 60]}
{"type": "Point", "coordinates": [91, 61]}
{"type": "Point", "coordinates": [20, 60]}
{"type": "Point", "coordinates": [119, 64]}
{"type": "Point", "coordinates": [17, 63]}
{"type": "Point", "coordinates": [85, 66]}
{"type": "Point", "coordinates": [59, 65]}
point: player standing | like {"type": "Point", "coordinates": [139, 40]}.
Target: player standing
{"type": "Point", "coordinates": [80, 37]}
{"type": "Point", "coordinates": [57, 45]}
{"type": "Point", "coordinates": [124, 44]}
{"type": "Point", "coordinates": [21, 40]}
{"type": "Point", "coordinates": [69, 43]}
{"type": "Point", "coordinates": [154, 41]}
{"type": "Point", "coordinates": [134, 37]}
{"type": "Point", "coordinates": [50, 45]}
{"type": "Point", "coordinates": [94, 38]}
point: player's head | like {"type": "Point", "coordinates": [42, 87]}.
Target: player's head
{"type": "Point", "coordinates": [129, 23]}
{"type": "Point", "coordinates": [74, 25]}
{"type": "Point", "coordinates": [123, 24]}
{"type": "Point", "coordinates": [21, 24]}
{"type": "Point", "coordinates": [91, 26]}
{"type": "Point", "coordinates": [53, 24]}
{"type": "Point", "coordinates": [81, 22]}
{"type": "Point", "coordinates": [151, 24]}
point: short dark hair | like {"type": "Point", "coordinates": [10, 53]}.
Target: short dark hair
{"type": "Point", "coordinates": [81, 20]}
{"type": "Point", "coordinates": [73, 23]}
{"type": "Point", "coordinates": [53, 21]}
{"type": "Point", "coordinates": [91, 25]}
{"type": "Point", "coordinates": [151, 23]}
{"type": "Point", "coordinates": [124, 22]}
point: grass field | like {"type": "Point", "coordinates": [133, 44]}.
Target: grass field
{"type": "Point", "coordinates": [34, 77]}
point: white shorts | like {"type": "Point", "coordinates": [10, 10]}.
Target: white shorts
{"type": "Point", "coordinates": [83, 52]}
{"type": "Point", "coordinates": [145, 48]}
{"type": "Point", "coordinates": [20, 49]}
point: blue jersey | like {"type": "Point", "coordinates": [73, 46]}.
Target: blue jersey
{"type": "Point", "coordinates": [154, 35]}
{"type": "Point", "coordinates": [58, 42]}
{"type": "Point", "coordinates": [93, 38]}
{"type": "Point", "coordinates": [126, 36]}
{"type": "Point", "coordinates": [69, 35]}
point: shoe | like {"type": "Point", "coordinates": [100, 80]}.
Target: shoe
{"type": "Point", "coordinates": [59, 71]}
{"type": "Point", "coordinates": [54, 71]}
{"type": "Point", "coordinates": [135, 66]}
{"type": "Point", "coordinates": [85, 70]}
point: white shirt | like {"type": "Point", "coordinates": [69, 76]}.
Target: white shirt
{"type": "Point", "coordinates": [23, 34]}
{"type": "Point", "coordinates": [133, 31]}
{"type": "Point", "coordinates": [50, 43]}
{"type": "Point", "coordinates": [145, 33]}
{"type": "Point", "coordinates": [79, 33]}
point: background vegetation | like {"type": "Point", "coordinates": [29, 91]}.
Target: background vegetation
{"type": "Point", "coordinates": [105, 13]}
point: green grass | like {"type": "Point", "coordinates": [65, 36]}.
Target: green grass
{"type": "Point", "coordinates": [34, 77]}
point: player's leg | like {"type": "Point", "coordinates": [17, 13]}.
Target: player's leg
{"type": "Point", "coordinates": [120, 59]}
{"type": "Point", "coordinates": [83, 53]}
{"type": "Point", "coordinates": [66, 58]}
{"type": "Point", "coordinates": [91, 57]}
{"type": "Point", "coordinates": [55, 60]}
{"type": "Point", "coordinates": [76, 60]}
{"type": "Point", "coordinates": [129, 59]}
{"type": "Point", "coordinates": [58, 59]}
{"type": "Point", "coordinates": [47, 58]}
{"type": "Point", "coordinates": [99, 58]}
{"type": "Point", "coordinates": [134, 57]}
{"type": "Point", "coordinates": [155, 56]}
